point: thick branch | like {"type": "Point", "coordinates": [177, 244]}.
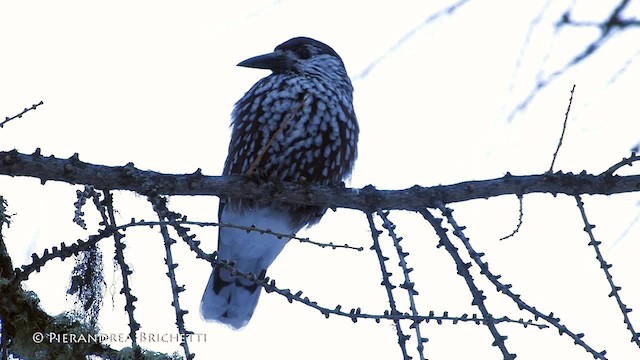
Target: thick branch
{"type": "Point", "coordinates": [74, 171]}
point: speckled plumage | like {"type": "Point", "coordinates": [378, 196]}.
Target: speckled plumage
{"type": "Point", "coordinates": [318, 143]}
{"type": "Point", "coordinates": [297, 124]}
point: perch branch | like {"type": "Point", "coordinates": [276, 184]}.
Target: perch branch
{"type": "Point", "coordinates": [367, 199]}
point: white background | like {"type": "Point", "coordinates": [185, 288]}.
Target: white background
{"type": "Point", "coordinates": [154, 82]}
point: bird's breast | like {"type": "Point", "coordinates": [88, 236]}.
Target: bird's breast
{"type": "Point", "coordinates": [294, 128]}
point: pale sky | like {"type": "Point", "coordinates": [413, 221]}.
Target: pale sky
{"type": "Point", "coordinates": [154, 82]}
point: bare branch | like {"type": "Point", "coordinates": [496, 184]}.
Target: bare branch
{"type": "Point", "coordinates": [386, 282]}
{"type": "Point", "coordinates": [407, 36]}
{"type": "Point", "coordinates": [304, 240]}
{"type": "Point", "coordinates": [463, 270]}
{"type": "Point", "coordinates": [125, 271]}
{"type": "Point", "coordinates": [19, 115]}
{"type": "Point", "coordinates": [520, 216]}
{"type": "Point", "coordinates": [605, 266]}
{"type": "Point", "coordinates": [74, 171]}
{"type": "Point", "coordinates": [625, 161]}
{"type": "Point", "coordinates": [613, 24]}
{"type": "Point", "coordinates": [564, 128]}
{"type": "Point", "coordinates": [615, 21]}
{"type": "Point", "coordinates": [408, 285]}
{"type": "Point", "coordinates": [500, 286]}
{"type": "Point", "coordinates": [175, 289]}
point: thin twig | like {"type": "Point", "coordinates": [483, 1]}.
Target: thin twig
{"type": "Point", "coordinates": [241, 227]}
{"type": "Point", "coordinates": [625, 161]}
{"type": "Point", "coordinates": [463, 270]}
{"type": "Point", "coordinates": [175, 290]}
{"type": "Point", "coordinates": [506, 288]}
{"type": "Point", "coordinates": [408, 284]}
{"type": "Point", "coordinates": [407, 36]}
{"type": "Point", "coordinates": [66, 251]}
{"type": "Point", "coordinates": [19, 115]}
{"type": "Point", "coordinates": [615, 290]}
{"type": "Point", "coordinates": [269, 285]}
{"type": "Point", "coordinates": [386, 282]}
{"type": "Point", "coordinates": [564, 127]}
{"type": "Point", "coordinates": [532, 25]}
{"type": "Point", "coordinates": [126, 271]}
{"type": "Point", "coordinates": [520, 216]}
{"type": "Point", "coordinates": [608, 27]}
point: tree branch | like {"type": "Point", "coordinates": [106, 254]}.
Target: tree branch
{"type": "Point", "coordinates": [150, 183]}
{"type": "Point", "coordinates": [19, 115]}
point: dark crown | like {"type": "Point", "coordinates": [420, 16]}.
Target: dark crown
{"type": "Point", "coordinates": [306, 47]}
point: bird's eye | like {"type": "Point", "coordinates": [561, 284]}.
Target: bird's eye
{"type": "Point", "coordinates": [304, 53]}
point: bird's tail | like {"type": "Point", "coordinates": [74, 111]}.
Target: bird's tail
{"type": "Point", "coordinates": [228, 300]}
{"type": "Point", "coordinates": [232, 299]}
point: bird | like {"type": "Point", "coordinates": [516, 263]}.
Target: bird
{"type": "Point", "coordinates": [297, 125]}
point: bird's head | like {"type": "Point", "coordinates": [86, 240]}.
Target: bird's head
{"type": "Point", "coordinates": [305, 57]}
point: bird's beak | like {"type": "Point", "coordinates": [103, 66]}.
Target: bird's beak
{"type": "Point", "coordinates": [270, 61]}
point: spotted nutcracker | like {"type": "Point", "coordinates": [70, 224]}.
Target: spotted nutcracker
{"type": "Point", "coordinates": [298, 125]}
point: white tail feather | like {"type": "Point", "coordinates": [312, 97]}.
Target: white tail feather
{"type": "Point", "coordinates": [233, 304]}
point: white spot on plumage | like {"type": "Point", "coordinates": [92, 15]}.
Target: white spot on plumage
{"type": "Point", "coordinates": [327, 151]}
